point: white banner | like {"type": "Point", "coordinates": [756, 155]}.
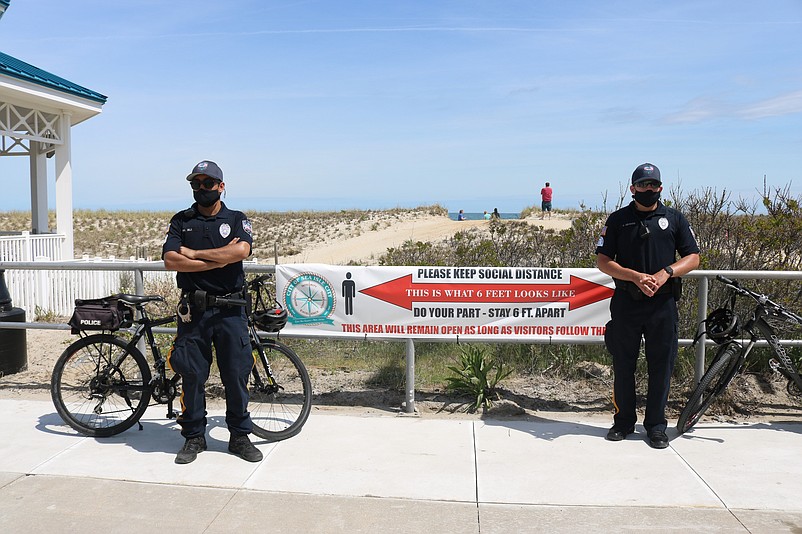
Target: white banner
{"type": "Point", "coordinates": [462, 303]}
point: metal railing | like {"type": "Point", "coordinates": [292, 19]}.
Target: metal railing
{"type": "Point", "coordinates": [139, 268]}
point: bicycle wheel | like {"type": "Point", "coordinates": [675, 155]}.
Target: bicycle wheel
{"type": "Point", "coordinates": [713, 383]}
{"type": "Point", "coordinates": [280, 392]}
{"type": "Point", "coordinates": [99, 387]}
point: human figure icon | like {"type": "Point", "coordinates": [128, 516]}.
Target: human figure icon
{"type": "Point", "coordinates": [349, 292]}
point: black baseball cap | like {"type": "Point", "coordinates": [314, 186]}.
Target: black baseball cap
{"type": "Point", "coordinates": [209, 168]}
{"type": "Point", "coordinates": [646, 173]}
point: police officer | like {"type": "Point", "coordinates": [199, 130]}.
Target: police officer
{"type": "Point", "coordinates": [638, 247]}
{"type": "Point", "coordinates": [206, 245]}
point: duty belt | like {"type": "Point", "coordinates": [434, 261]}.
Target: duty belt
{"type": "Point", "coordinates": [200, 301]}
{"type": "Point", "coordinates": [203, 299]}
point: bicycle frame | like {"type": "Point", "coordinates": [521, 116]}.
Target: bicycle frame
{"type": "Point", "coordinates": [160, 388]}
{"type": "Point", "coordinates": [758, 327]}
{"type": "Point", "coordinates": [785, 366]}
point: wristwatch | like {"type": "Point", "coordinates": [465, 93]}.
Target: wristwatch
{"type": "Point", "coordinates": [669, 270]}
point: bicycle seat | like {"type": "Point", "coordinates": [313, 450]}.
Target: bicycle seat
{"type": "Point", "coordinates": [139, 299]}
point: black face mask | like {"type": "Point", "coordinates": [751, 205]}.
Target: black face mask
{"type": "Point", "coordinates": [205, 197]}
{"type": "Point", "coordinates": [646, 198]}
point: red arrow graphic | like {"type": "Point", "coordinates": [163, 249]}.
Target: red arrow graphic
{"type": "Point", "coordinates": [403, 292]}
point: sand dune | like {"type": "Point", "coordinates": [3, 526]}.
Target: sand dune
{"type": "Point", "coordinates": [366, 248]}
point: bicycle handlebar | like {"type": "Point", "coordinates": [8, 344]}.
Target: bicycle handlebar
{"type": "Point", "coordinates": [761, 299]}
{"type": "Point", "coordinates": [256, 282]}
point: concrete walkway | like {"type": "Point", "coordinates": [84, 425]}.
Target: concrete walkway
{"type": "Point", "coordinates": [389, 473]}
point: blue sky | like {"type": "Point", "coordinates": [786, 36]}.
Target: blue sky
{"type": "Point", "coordinates": [472, 104]}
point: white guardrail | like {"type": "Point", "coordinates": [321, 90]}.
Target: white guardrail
{"type": "Point", "coordinates": [53, 286]}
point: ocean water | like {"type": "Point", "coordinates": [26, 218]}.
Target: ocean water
{"type": "Point", "coordinates": [479, 216]}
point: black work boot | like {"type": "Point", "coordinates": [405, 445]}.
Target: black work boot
{"type": "Point", "coordinates": [242, 447]}
{"type": "Point", "coordinates": [618, 434]}
{"type": "Point", "coordinates": [190, 450]}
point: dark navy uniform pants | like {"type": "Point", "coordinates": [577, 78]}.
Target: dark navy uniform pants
{"type": "Point", "coordinates": [191, 357]}
{"type": "Point", "coordinates": [656, 320]}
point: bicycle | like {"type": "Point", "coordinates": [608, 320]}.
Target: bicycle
{"type": "Point", "coordinates": [724, 327]}
{"type": "Point", "coordinates": [102, 383]}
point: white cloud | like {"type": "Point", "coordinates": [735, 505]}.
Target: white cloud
{"type": "Point", "coordinates": [787, 104]}
{"type": "Point", "coordinates": [698, 110]}
{"type": "Point", "coordinates": [706, 108]}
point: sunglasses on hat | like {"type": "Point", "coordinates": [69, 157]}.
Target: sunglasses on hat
{"type": "Point", "coordinates": [208, 183]}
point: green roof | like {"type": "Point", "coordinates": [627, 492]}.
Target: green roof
{"type": "Point", "coordinates": [19, 69]}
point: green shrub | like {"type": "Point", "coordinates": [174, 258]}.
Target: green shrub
{"type": "Point", "coordinates": [477, 376]}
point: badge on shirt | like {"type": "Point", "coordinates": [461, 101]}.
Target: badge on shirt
{"type": "Point", "coordinates": [662, 223]}
{"type": "Point", "coordinates": [225, 230]}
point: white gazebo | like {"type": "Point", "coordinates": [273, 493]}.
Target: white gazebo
{"type": "Point", "coordinates": [37, 110]}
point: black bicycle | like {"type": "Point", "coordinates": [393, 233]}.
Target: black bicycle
{"type": "Point", "coordinates": [725, 328]}
{"type": "Point", "coordinates": [102, 383]}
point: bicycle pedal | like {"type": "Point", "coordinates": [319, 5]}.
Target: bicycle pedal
{"type": "Point", "coordinates": [775, 365]}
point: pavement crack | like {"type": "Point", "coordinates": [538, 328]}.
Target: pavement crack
{"type": "Point", "coordinates": [476, 475]}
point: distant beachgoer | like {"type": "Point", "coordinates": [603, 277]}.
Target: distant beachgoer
{"type": "Point", "coordinates": [486, 216]}
{"type": "Point", "coordinates": [461, 215]}
{"type": "Point", "coordinates": [495, 214]}
{"type": "Point", "coordinates": [545, 204]}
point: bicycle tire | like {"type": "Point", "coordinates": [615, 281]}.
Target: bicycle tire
{"type": "Point", "coordinates": [95, 403]}
{"type": "Point", "coordinates": [713, 383]}
{"type": "Point", "coordinates": [279, 410]}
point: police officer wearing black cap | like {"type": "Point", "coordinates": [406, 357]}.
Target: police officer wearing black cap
{"type": "Point", "coordinates": [206, 245]}
{"type": "Point", "coordinates": [638, 248]}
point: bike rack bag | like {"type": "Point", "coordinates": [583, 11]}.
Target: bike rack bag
{"type": "Point", "coordinates": [106, 313]}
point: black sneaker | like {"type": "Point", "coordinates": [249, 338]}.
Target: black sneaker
{"type": "Point", "coordinates": [190, 450]}
{"type": "Point", "coordinates": [658, 439]}
{"type": "Point", "coordinates": [242, 447]}
{"type": "Point", "coordinates": [617, 434]}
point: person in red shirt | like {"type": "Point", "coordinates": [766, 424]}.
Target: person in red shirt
{"type": "Point", "coordinates": [545, 204]}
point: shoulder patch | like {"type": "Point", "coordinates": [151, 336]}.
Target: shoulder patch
{"type": "Point", "coordinates": [246, 225]}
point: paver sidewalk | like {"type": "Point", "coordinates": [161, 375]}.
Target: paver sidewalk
{"type": "Point", "coordinates": [388, 473]}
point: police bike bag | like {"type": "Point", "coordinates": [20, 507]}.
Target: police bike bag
{"type": "Point", "coordinates": [106, 313]}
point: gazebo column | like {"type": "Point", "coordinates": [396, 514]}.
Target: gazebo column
{"type": "Point", "coordinates": [39, 220]}
{"type": "Point", "coordinates": [64, 188]}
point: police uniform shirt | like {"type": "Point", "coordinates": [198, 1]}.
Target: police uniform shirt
{"type": "Point", "coordinates": [625, 239]}
{"type": "Point", "coordinates": [198, 232]}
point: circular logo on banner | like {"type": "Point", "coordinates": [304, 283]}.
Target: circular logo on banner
{"type": "Point", "coordinates": [225, 229]}
{"type": "Point", "coordinates": [662, 223]}
{"type": "Point", "coordinates": [309, 299]}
